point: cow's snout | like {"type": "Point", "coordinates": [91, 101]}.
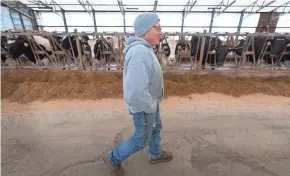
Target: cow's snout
{"type": "Point", "coordinates": [171, 60]}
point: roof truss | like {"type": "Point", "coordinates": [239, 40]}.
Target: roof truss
{"type": "Point", "coordinates": [256, 4]}
{"type": "Point", "coordinates": [189, 5]}
{"type": "Point", "coordinates": [52, 5]}
{"type": "Point", "coordinates": [283, 6]}
{"type": "Point", "coordinates": [226, 6]}
{"type": "Point", "coordinates": [121, 6]}
{"type": "Point", "coordinates": [88, 7]}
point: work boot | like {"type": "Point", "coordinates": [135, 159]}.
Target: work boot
{"type": "Point", "coordinates": [114, 169]}
{"type": "Point", "coordinates": [164, 157]}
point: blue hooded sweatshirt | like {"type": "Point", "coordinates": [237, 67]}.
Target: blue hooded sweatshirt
{"type": "Point", "coordinates": [142, 76]}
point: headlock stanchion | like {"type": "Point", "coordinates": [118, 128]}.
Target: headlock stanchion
{"type": "Point", "coordinates": [206, 50]}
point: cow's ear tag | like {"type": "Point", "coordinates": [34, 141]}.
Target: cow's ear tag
{"type": "Point", "coordinates": [26, 44]}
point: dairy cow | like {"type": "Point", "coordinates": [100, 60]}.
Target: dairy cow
{"type": "Point", "coordinates": [65, 44]}
{"type": "Point", "coordinates": [215, 46]}
{"type": "Point", "coordinates": [3, 48]}
{"type": "Point", "coordinates": [277, 45]}
{"type": "Point", "coordinates": [168, 57]}
{"type": "Point", "coordinates": [100, 46]}
{"type": "Point", "coordinates": [170, 49]}
{"type": "Point", "coordinates": [21, 46]}
{"type": "Point", "coordinates": [258, 45]}
{"type": "Point", "coordinates": [107, 44]}
{"type": "Point", "coordinates": [181, 45]}
{"type": "Point", "coordinates": [274, 48]}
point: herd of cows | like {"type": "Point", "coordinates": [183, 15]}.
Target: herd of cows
{"type": "Point", "coordinates": [42, 50]}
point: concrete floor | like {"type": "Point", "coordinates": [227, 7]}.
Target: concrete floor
{"type": "Point", "coordinates": [209, 135]}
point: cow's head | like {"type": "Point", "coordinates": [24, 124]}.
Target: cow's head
{"type": "Point", "coordinates": [181, 46]}
{"type": "Point", "coordinates": [20, 46]}
{"type": "Point", "coordinates": [98, 49]}
{"type": "Point", "coordinates": [168, 45]}
{"type": "Point", "coordinates": [65, 44]}
{"type": "Point", "coordinates": [194, 45]}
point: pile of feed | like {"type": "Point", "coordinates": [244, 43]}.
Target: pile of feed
{"type": "Point", "coordinates": [25, 86]}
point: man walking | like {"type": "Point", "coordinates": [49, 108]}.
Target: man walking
{"type": "Point", "coordinates": [143, 91]}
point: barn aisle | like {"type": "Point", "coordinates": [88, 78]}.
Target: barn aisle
{"type": "Point", "coordinates": [210, 134]}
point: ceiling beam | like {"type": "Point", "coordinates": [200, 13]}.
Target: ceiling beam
{"type": "Point", "coordinates": [251, 5]}
{"type": "Point", "coordinates": [121, 6]}
{"type": "Point", "coordinates": [88, 7]}
{"type": "Point", "coordinates": [138, 11]}
{"type": "Point", "coordinates": [13, 8]}
{"type": "Point", "coordinates": [188, 7]}
{"type": "Point", "coordinates": [55, 8]}
{"type": "Point", "coordinates": [263, 6]}
{"type": "Point", "coordinates": [52, 5]}
{"type": "Point", "coordinates": [91, 11]}
{"type": "Point", "coordinates": [283, 5]}
{"type": "Point", "coordinates": [279, 13]}
{"type": "Point", "coordinates": [256, 4]}
{"type": "Point", "coordinates": [214, 10]}
{"type": "Point", "coordinates": [149, 5]}
{"type": "Point", "coordinates": [226, 7]}
{"type": "Point", "coordinates": [122, 9]}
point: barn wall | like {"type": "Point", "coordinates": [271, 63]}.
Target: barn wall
{"type": "Point", "coordinates": [11, 19]}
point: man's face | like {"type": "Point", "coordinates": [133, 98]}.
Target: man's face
{"type": "Point", "coordinates": [154, 34]}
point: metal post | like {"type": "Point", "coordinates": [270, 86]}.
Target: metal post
{"type": "Point", "coordinates": [201, 51]}
{"type": "Point", "coordinates": [34, 21]}
{"type": "Point", "coordinates": [124, 22]}
{"type": "Point", "coordinates": [211, 20]}
{"type": "Point", "coordinates": [95, 23]}
{"type": "Point", "coordinates": [64, 20]}
{"type": "Point", "coordinates": [21, 20]}
{"type": "Point", "coordinates": [240, 24]}
{"type": "Point", "coordinates": [122, 9]}
{"type": "Point", "coordinates": [182, 22]}
{"type": "Point", "coordinates": [79, 48]}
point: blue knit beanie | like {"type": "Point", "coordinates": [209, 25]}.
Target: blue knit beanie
{"type": "Point", "coordinates": [144, 22]}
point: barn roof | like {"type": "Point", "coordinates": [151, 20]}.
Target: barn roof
{"type": "Point", "coordinates": [213, 15]}
{"type": "Point", "coordinates": [162, 5]}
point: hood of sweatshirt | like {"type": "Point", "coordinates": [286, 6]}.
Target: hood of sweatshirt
{"type": "Point", "coordinates": [132, 41]}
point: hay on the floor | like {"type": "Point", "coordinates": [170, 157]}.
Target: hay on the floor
{"type": "Point", "coordinates": [25, 86]}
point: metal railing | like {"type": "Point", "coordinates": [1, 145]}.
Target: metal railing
{"type": "Point", "coordinates": [114, 59]}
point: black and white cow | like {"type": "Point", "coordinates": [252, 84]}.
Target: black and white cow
{"type": "Point", "coordinates": [215, 46]}
{"type": "Point", "coordinates": [21, 46]}
{"type": "Point", "coordinates": [110, 45]}
{"type": "Point", "coordinates": [168, 57]}
{"type": "Point", "coordinates": [171, 49]}
{"type": "Point", "coordinates": [99, 46]}
{"type": "Point", "coordinates": [182, 45]}
{"type": "Point", "coordinates": [274, 48]}
{"type": "Point", "coordinates": [65, 44]}
{"type": "Point", "coordinates": [3, 49]}
{"type": "Point", "coordinates": [258, 45]}
{"type": "Point", "coordinates": [278, 45]}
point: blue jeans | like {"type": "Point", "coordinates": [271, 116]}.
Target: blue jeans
{"type": "Point", "coordinates": [147, 130]}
